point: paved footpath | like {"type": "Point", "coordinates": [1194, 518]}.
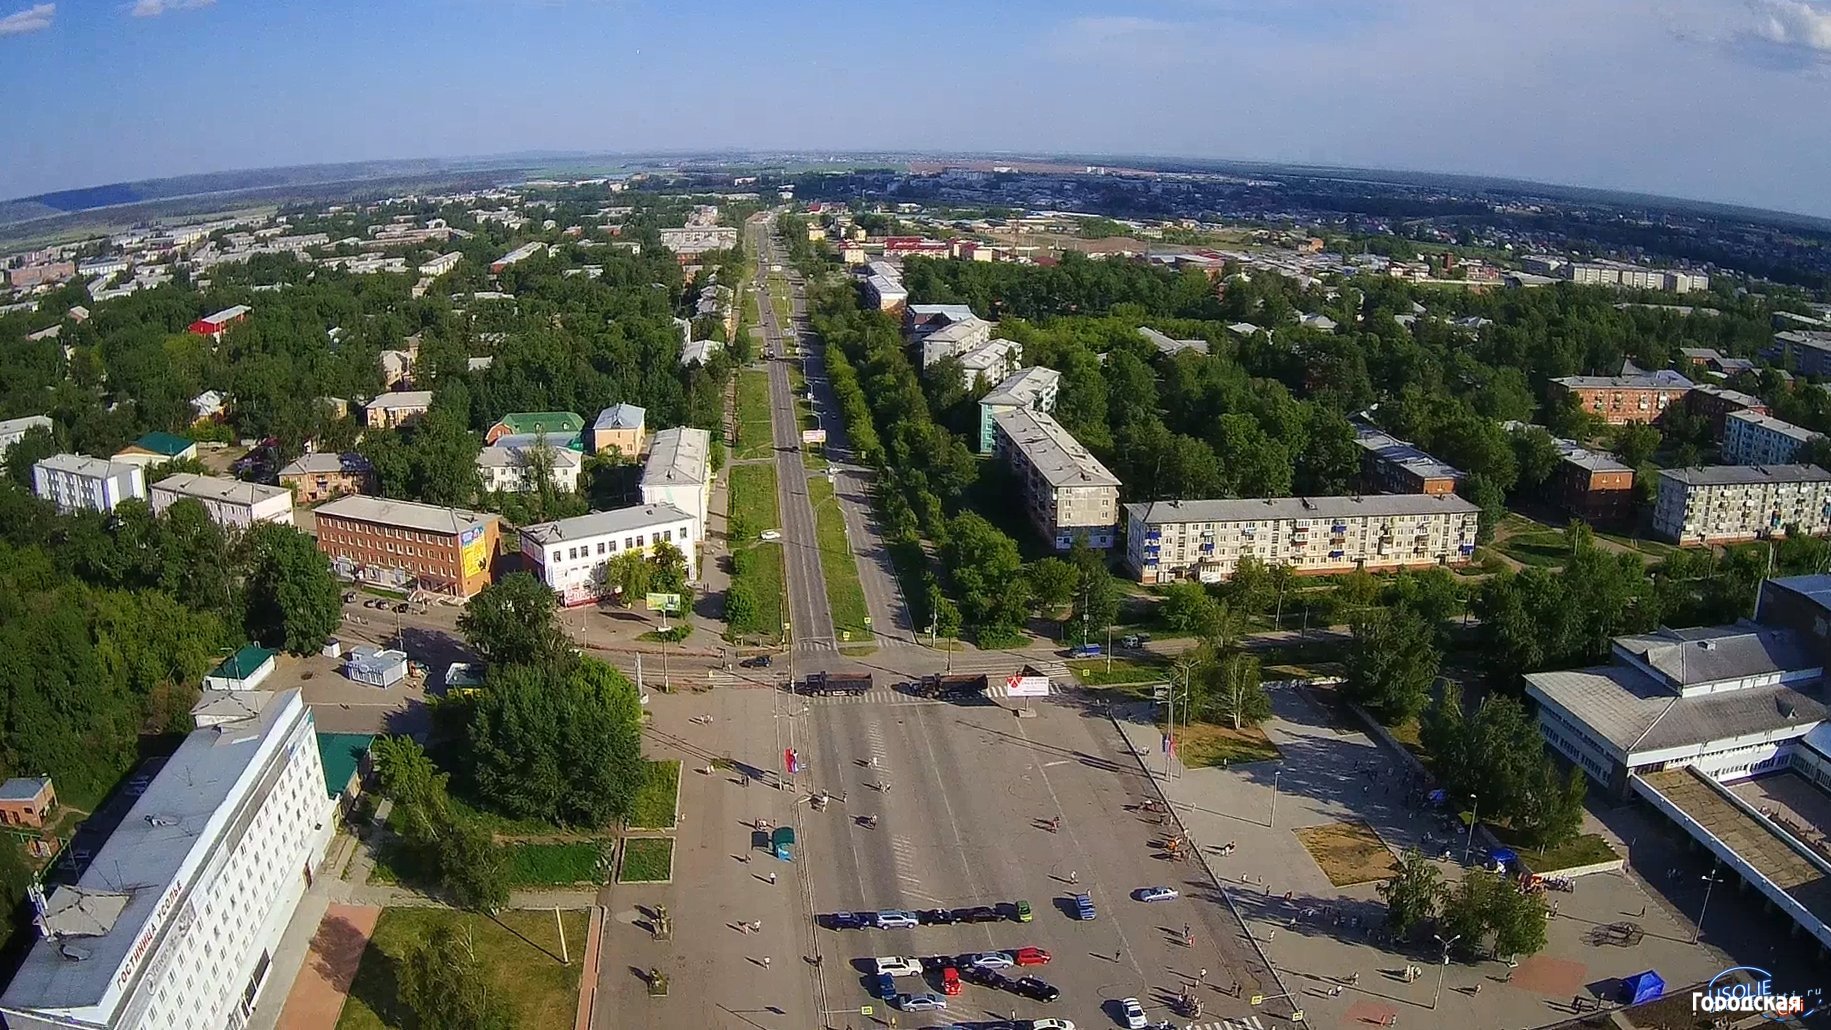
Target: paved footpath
{"type": "Point", "coordinates": [1327, 775]}
{"type": "Point", "coordinates": [323, 985]}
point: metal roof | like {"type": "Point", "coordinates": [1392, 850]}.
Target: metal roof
{"type": "Point", "coordinates": [678, 456]}
{"type": "Point", "coordinates": [1712, 654]}
{"type": "Point", "coordinates": [403, 399]}
{"type": "Point", "coordinates": [1636, 713]}
{"type": "Point", "coordinates": [1169, 345]}
{"type": "Point", "coordinates": [1664, 379]}
{"type": "Point", "coordinates": [404, 514]}
{"type": "Point", "coordinates": [1023, 386]}
{"type": "Point", "coordinates": [219, 488]}
{"type": "Point", "coordinates": [523, 422]}
{"type": "Point", "coordinates": [1055, 453]}
{"type": "Point", "coordinates": [621, 416]}
{"type": "Point", "coordinates": [319, 463]}
{"type": "Point", "coordinates": [1245, 509]}
{"type": "Point", "coordinates": [169, 444]}
{"type": "Point", "coordinates": [1740, 475]}
{"type": "Point", "coordinates": [604, 523]}
{"type": "Point", "coordinates": [1395, 451]}
{"type": "Point", "coordinates": [1774, 425]}
{"type": "Point", "coordinates": [84, 465]}
{"type": "Point", "coordinates": [23, 788]}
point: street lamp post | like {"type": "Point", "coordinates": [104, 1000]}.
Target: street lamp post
{"type": "Point", "coordinates": [1710, 880]}
{"type": "Point", "coordinates": [1474, 809]}
{"type": "Point", "coordinates": [1273, 821]}
{"type": "Point", "coordinates": [1444, 968]}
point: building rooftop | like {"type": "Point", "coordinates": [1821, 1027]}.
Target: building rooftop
{"type": "Point", "coordinates": [1595, 461]}
{"type": "Point", "coordinates": [550, 422]}
{"type": "Point", "coordinates": [219, 488]}
{"type": "Point", "coordinates": [1663, 379]}
{"type": "Point", "coordinates": [1167, 345]}
{"type": "Point", "coordinates": [1712, 654]}
{"type": "Point", "coordinates": [1023, 386]}
{"type": "Point", "coordinates": [1740, 475]}
{"type": "Point", "coordinates": [1774, 425]}
{"type": "Point", "coordinates": [621, 416]}
{"type": "Point", "coordinates": [426, 518]}
{"type": "Point", "coordinates": [1637, 713]}
{"type": "Point", "coordinates": [513, 451]}
{"type": "Point", "coordinates": [1246, 509]}
{"type": "Point", "coordinates": [374, 660]}
{"type": "Point", "coordinates": [23, 788]}
{"type": "Point", "coordinates": [1395, 451]}
{"type": "Point", "coordinates": [341, 755]}
{"type": "Point", "coordinates": [403, 399]}
{"type": "Point", "coordinates": [603, 523]}
{"type": "Point", "coordinates": [677, 457]}
{"type": "Point", "coordinates": [132, 884]}
{"type": "Point", "coordinates": [243, 663]}
{"type": "Point", "coordinates": [325, 463]}
{"type": "Point", "coordinates": [84, 465]}
{"type": "Point", "coordinates": [1057, 455]}
{"type": "Point", "coordinates": [168, 444]}
{"type": "Point", "coordinates": [945, 313]}
{"type": "Point", "coordinates": [1732, 396]}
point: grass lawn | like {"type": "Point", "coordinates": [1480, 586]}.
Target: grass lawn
{"type": "Point", "coordinates": [554, 865]}
{"type": "Point", "coordinates": [1348, 852]}
{"type": "Point", "coordinates": [1209, 744]}
{"type": "Point", "coordinates": [753, 497]}
{"type": "Point", "coordinates": [658, 796]}
{"type": "Point", "coordinates": [1545, 548]}
{"type": "Point", "coordinates": [647, 860]}
{"type": "Point", "coordinates": [763, 574]}
{"type": "Point", "coordinates": [844, 595]}
{"type": "Point", "coordinates": [1094, 672]}
{"type": "Point", "coordinates": [519, 952]}
{"type": "Point", "coordinates": [778, 298]}
{"type": "Point", "coordinates": [1581, 850]}
{"type": "Point", "coordinates": [753, 426]}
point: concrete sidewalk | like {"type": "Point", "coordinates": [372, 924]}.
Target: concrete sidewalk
{"type": "Point", "coordinates": [323, 985]}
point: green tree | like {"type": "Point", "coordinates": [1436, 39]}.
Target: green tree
{"type": "Point", "coordinates": [1187, 607]}
{"type": "Point", "coordinates": [1537, 455]}
{"type": "Point", "coordinates": [448, 987]}
{"type": "Point", "coordinates": [36, 445]}
{"type": "Point", "coordinates": [292, 599]}
{"type": "Point", "coordinates": [741, 609]}
{"type": "Point", "coordinates": [1470, 906]}
{"type": "Point", "coordinates": [1052, 582]}
{"type": "Point", "coordinates": [1412, 894]}
{"type": "Point", "coordinates": [513, 621]}
{"type": "Point", "coordinates": [1518, 920]}
{"type": "Point", "coordinates": [1391, 663]}
{"type": "Point", "coordinates": [1096, 603]}
{"type": "Point", "coordinates": [472, 870]}
{"type": "Point", "coordinates": [558, 745]}
{"type": "Point", "coordinates": [1485, 493]}
{"type": "Point", "coordinates": [670, 568]}
{"type": "Point", "coordinates": [1238, 693]}
{"type": "Point", "coordinates": [1634, 443]}
{"type": "Point", "coordinates": [632, 574]}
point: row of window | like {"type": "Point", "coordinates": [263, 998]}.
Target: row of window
{"type": "Point", "coordinates": [635, 542]}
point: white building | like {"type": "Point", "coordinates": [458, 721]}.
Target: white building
{"type": "Point", "coordinates": [992, 361]}
{"type": "Point", "coordinates": [441, 264]}
{"type": "Point", "coordinates": [574, 555]}
{"type": "Point", "coordinates": [13, 429]}
{"type": "Point", "coordinates": [1067, 493]}
{"type": "Point", "coordinates": [679, 471]}
{"type": "Point", "coordinates": [955, 339]}
{"type": "Point", "coordinates": [230, 502]}
{"type": "Point", "coordinates": [1034, 388]}
{"type": "Point", "coordinates": [885, 293]}
{"type": "Point", "coordinates": [76, 482]}
{"type": "Point", "coordinates": [694, 240]}
{"type": "Point", "coordinates": [517, 256]}
{"type": "Point", "coordinates": [1751, 438]}
{"type": "Point", "coordinates": [1722, 503]}
{"type": "Point", "coordinates": [1171, 347]}
{"type": "Point", "coordinates": [1205, 540]}
{"type": "Point", "coordinates": [507, 465]}
{"type": "Point", "coordinates": [175, 921]}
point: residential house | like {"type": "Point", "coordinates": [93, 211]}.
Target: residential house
{"type": "Point", "coordinates": [230, 502]}
{"type": "Point", "coordinates": [573, 556]}
{"type": "Point", "coordinates": [393, 410]}
{"type": "Point", "coordinates": [621, 428]}
{"type": "Point", "coordinates": [554, 424]}
{"type": "Point", "coordinates": [157, 449]}
{"type": "Point", "coordinates": [324, 475]}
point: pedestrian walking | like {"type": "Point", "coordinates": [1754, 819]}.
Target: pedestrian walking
{"type": "Point", "coordinates": [1203, 977]}
{"type": "Point", "coordinates": [765, 961]}
{"type": "Point", "coordinates": [1116, 953]}
{"type": "Point", "coordinates": [772, 878]}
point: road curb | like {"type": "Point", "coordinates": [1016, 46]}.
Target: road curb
{"type": "Point", "coordinates": [588, 971]}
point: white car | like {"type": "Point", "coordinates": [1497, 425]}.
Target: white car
{"type": "Point", "coordinates": [1051, 1024]}
{"type": "Point", "coordinates": [892, 965]}
{"type": "Point", "coordinates": [1134, 1014]}
{"type": "Point", "coordinates": [992, 960]}
{"type": "Point", "coordinates": [1155, 894]}
{"type": "Point", "coordinates": [769, 534]}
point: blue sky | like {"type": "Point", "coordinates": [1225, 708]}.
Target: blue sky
{"type": "Point", "coordinates": [1712, 99]}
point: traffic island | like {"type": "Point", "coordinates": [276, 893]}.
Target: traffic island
{"type": "Point", "coordinates": [646, 860]}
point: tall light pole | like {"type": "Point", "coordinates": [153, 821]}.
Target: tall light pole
{"type": "Point", "coordinates": [1276, 772]}
{"type": "Point", "coordinates": [1444, 968]}
{"type": "Point", "coordinates": [1474, 809]}
{"type": "Point", "coordinates": [1710, 880]}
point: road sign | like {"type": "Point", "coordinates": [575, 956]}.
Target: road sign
{"type": "Point", "coordinates": [864, 1010]}
{"type": "Point", "coordinates": [663, 602]}
{"type": "Point", "coordinates": [1026, 686]}
{"type": "Point", "coordinates": [1297, 1015]}
{"type": "Point", "coordinates": [867, 622]}
{"type": "Point", "coordinates": [813, 436]}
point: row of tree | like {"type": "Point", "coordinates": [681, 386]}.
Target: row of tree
{"type": "Point", "coordinates": [1481, 913]}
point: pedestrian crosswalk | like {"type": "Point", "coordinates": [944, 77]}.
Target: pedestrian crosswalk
{"type": "Point", "coordinates": [1246, 1023]}
{"type": "Point", "coordinates": [997, 690]}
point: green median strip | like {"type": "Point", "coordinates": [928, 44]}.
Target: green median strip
{"type": "Point", "coordinates": [845, 595]}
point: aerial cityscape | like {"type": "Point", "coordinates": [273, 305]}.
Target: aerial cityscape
{"type": "Point", "coordinates": [1274, 528]}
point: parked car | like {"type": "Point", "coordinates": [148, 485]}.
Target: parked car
{"type": "Point", "coordinates": [1031, 957]}
{"type": "Point", "coordinates": [950, 981]}
{"type": "Point", "coordinates": [1155, 894]}
{"type": "Point", "coordinates": [886, 987]}
{"type": "Point", "coordinates": [1134, 640]}
{"type": "Point", "coordinates": [982, 976]}
{"type": "Point", "coordinates": [894, 919]}
{"type": "Point", "coordinates": [978, 914]}
{"type": "Point", "coordinates": [1051, 1024]}
{"type": "Point", "coordinates": [850, 920]}
{"type": "Point", "coordinates": [1085, 651]}
{"type": "Point", "coordinates": [769, 534]}
{"type": "Point", "coordinates": [937, 917]}
{"type": "Point", "coordinates": [1134, 1014]}
{"type": "Point", "coordinates": [990, 960]}
{"type": "Point", "coordinates": [760, 661]}
{"type": "Point", "coordinates": [1083, 906]}
{"type": "Point", "coordinates": [1033, 988]}
{"type": "Point", "coordinates": [920, 1002]}
{"type": "Point", "coordinates": [896, 965]}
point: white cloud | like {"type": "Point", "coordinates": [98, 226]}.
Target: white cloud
{"type": "Point", "coordinates": [32, 19]}
{"type": "Point", "coordinates": [154, 8]}
{"type": "Point", "coordinates": [1794, 25]}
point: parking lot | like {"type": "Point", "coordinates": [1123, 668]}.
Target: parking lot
{"type": "Point", "coordinates": [964, 795]}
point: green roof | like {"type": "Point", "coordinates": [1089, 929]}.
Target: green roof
{"type": "Point", "coordinates": [243, 664]}
{"type": "Point", "coordinates": [542, 422]}
{"type": "Point", "coordinates": [168, 444]}
{"type": "Point", "coordinates": [341, 754]}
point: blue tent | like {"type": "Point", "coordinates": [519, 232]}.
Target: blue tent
{"type": "Point", "coordinates": [1643, 987]}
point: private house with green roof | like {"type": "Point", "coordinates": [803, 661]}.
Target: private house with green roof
{"type": "Point", "coordinates": [157, 449]}
{"type": "Point", "coordinates": [243, 670]}
{"type": "Point", "coordinates": [534, 423]}
{"type": "Point", "coordinates": [345, 757]}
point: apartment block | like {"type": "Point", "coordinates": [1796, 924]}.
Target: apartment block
{"type": "Point", "coordinates": [1717, 403]}
{"type": "Point", "coordinates": [1726, 503]}
{"type": "Point", "coordinates": [1390, 465]}
{"type": "Point", "coordinates": [1755, 439]}
{"type": "Point", "coordinates": [405, 545]}
{"type": "Point", "coordinates": [695, 240]}
{"type": "Point", "coordinates": [1205, 540]}
{"type": "Point", "coordinates": [573, 556]}
{"type": "Point", "coordinates": [392, 410]}
{"type": "Point", "coordinates": [12, 430]}
{"type": "Point", "coordinates": [1033, 388]}
{"type": "Point", "coordinates": [1809, 350]}
{"type": "Point", "coordinates": [1067, 493]}
{"type": "Point", "coordinates": [77, 482]}
{"type": "Point", "coordinates": [230, 502]}
{"type": "Point", "coordinates": [679, 471]}
{"type": "Point", "coordinates": [322, 475]}
{"type": "Point", "coordinates": [1592, 485]}
{"type": "Point", "coordinates": [1632, 397]}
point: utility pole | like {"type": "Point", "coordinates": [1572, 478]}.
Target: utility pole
{"type": "Point", "coordinates": [1710, 880]}
{"type": "Point", "coordinates": [1474, 809]}
{"type": "Point", "coordinates": [1444, 968]}
{"type": "Point", "coordinates": [1272, 823]}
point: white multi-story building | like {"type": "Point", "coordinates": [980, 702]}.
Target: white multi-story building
{"type": "Point", "coordinates": [441, 264]}
{"type": "Point", "coordinates": [1034, 388]}
{"type": "Point", "coordinates": [698, 239]}
{"type": "Point", "coordinates": [174, 924]}
{"type": "Point", "coordinates": [75, 482]}
{"type": "Point", "coordinates": [991, 361]}
{"type": "Point", "coordinates": [230, 502]}
{"type": "Point", "coordinates": [1067, 493]}
{"type": "Point", "coordinates": [508, 465]}
{"type": "Point", "coordinates": [679, 471]}
{"type": "Point", "coordinates": [12, 429]}
{"type": "Point", "coordinates": [955, 339]}
{"type": "Point", "coordinates": [1205, 540]}
{"type": "Point", "coordinates": [1751, 438]}
{"type": "Point", "coordinates": [1723, 503]}
{"type": "Point", "coordinates": [574, 555]}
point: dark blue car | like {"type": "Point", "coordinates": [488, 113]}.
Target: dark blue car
{"type": "Point", "coordinates": [849, 920]}
{"type": "Point", "coordinates": [886, 986]}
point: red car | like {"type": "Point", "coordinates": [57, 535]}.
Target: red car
{"type": "Point", "coordinates": [1030, 957]}
{"type": "Point", "coordinates": [950, 981]}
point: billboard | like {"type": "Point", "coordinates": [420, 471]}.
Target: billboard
{"type": "Point", "coordinates": [813, 436]}
{"type": "Point", "coordinates": [473, 551]}
{"type": "Point", "coordinates": [1027, 686]}
{"type": "Point", "coordinates": [663, 602]}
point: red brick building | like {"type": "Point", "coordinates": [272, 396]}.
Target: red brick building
{"type": "Point", "coordinates": [1635, 397]}
{"type": "Point", "coordinates": [1717, 403]}
{"type": "Point", "coordinates": [1593, 486]}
